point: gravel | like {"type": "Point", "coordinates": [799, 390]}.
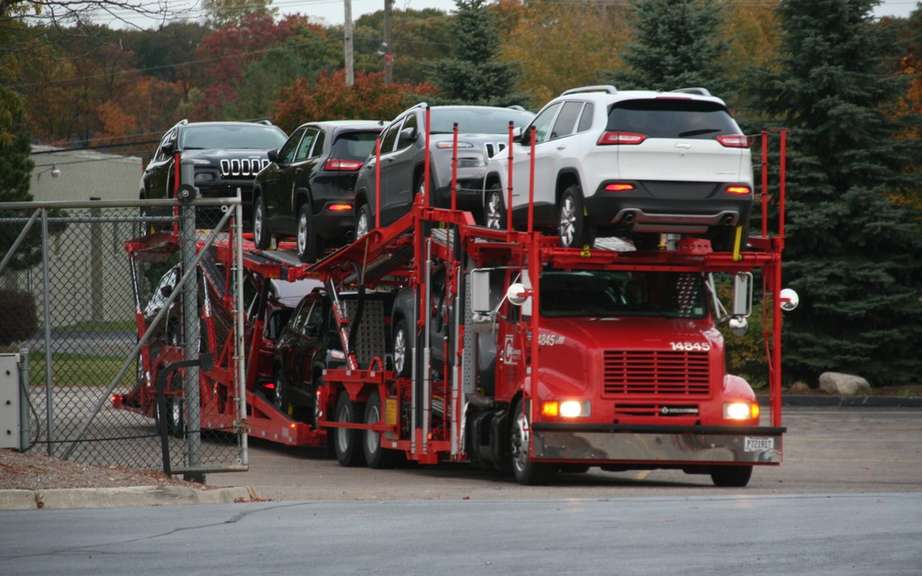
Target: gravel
{"type": "Point", "coordinates": [33, 471]}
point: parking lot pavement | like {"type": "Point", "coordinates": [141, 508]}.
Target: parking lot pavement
{"type": "Point", "coordinates": [825, 451]}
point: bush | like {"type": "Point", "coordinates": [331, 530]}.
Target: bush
{"type": "Point", "coordinates": [18, 316]}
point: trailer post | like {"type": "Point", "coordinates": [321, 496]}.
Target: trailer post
{"type": "Point", "coordinates": [454, 166]}
{"type": "Point", "coordinates": [427, 351]}
{"type": "Point", "coordinates": [764, 184]}
{"type": "Point", "coordinates": [456, 366]}
{"type": "Point", "coordinates": [377, 182]}
{"type": "Point", "coordinates": [531, 183]}
{"type": "Point", "coordinates": [510, 158]}
{"type": "Point", "coordinates": [427, 161]}
{"type": "Point", "coordinates": [239, 354]}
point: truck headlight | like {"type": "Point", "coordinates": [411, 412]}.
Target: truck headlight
{"type": "Point", "coordinates": [741, 411]}
{"type": "Point", "coordinates": [566, 409]}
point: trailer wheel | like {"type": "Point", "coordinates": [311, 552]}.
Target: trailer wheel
{"type": "Point", "coordinates": [494, 210]}
{"type": "Point", "coordinates": [347, 442]}
{"type": "Point", "coordinates": [731, 476]}
{"type": "Point", "coordinates": [526, 471]}
{"type": "Point", "coordinates": [375, 455]}
{"type": "Point", "coordinates": [574, 228]}
{"type": "Point", "coordinates": [278, 396]}
{"type": "Point", "coordinates": [363, 222]}
{"type": "Point", "coordinates": [401, 348]}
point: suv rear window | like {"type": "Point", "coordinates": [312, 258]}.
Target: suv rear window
{"type": "Point", "coordinates": [671, 118]}
{"type": "Point", "coordinates": [354, 145]}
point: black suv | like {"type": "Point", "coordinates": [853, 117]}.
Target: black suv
{"type": "Point", "coordinates": [226, 157]}
{"type": "Point", "coordinates": [307, 190]}
{"type": "Point", "coordinates": [482, 134]}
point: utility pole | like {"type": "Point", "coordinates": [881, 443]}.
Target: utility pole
{"type": "Point", "coordinates": [388, 54]}
{"type": "Point", "coordinates": [347, 33]}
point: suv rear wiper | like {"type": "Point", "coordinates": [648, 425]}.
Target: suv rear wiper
{"type": "Point", "coordinates": [699, 131]}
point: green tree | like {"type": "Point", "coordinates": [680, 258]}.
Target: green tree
{"type": "Point", "coordinates": [852, 254]}
{"type": "Point", "coordinates": [15, 171]}
{"type": "Point", "coordinates": [677, 44]}
{"type": "Point", "coordinates": [223, 12]}
{"type": "Point", "coordinates": [474, 75]}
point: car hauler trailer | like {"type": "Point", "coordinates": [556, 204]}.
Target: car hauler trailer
{"type": "Point", "coordinates": [510, 351]}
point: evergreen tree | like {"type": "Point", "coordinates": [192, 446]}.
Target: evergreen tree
{"type": "Point", "coordinates": [15, 171]}
{"type": "Point", "coordinates": [852, 254]}
{"type": "Point", "coordinates": [474, 75]}
{"type": "Point", "coordinates": [677, 44]}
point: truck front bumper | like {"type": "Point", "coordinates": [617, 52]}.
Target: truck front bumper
{"type": "Point", "coordinates": [666, 445]}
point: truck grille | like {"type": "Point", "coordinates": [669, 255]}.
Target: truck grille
{"type": "Point", "coordinates": [655, 373]}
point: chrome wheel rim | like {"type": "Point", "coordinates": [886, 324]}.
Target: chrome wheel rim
{"type": "Point", "coordinates": [302, 234]}
{"type": "Point", "coordinates": [176, 414]}
{"type": "Point", "coordinates": [494, 214]}
{"type": "Point", "coordinates": [400, 351]}
{"type": "Point", "coordinates": [279, 390]}
{"type": "Point", "coordinates": [258, 223]}
{"type": "Point", "coordinates": [342, 434]}
{"type": "Point", "coordinates": [567, 221]}
{"type": "Point", "coordinates": [361, 226]}
{"type": "Point", "coordinates": [371, 437]}
{"type": "Point", "coordinates": [520, 442]}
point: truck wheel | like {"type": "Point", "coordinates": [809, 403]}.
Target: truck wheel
{"type": "Point", "coordinates": [526, 471]}
{"type": "Point", "coordinates": [494, 210]}
{"type": "Point", "coordinates": [307, 238]}
{"type": "Point", "coordinates": [363, 222]}
{"type": "Point", "coordinates": [375, 455]}
{"type": "Point", "coordinates": [347, 442]}
{"type": "Point", "coordinates": [261, 234]}
{"type": "Point", "coordinates": [401, 349]}
{"type": "Point", "coordinates": [574, 227]}
{"type": "Point", "coordinates": [278, 396]}
{"type": "Point", "coordinates": [731, 476]}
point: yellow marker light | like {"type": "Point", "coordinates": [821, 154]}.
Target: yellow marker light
{"type": "Point", "coordinates": [754, 411]}
{"type": "Point", "coordinates": [738, 411]}
{"type": "Point", "coordinates": [550, 408]}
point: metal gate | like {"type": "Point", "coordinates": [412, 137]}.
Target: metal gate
{"type": "Point", "coordinates": [70, 300]}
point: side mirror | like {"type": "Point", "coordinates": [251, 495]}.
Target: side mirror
{"type": "Point", "coordinates": [168, 148]}
{"type": "Point", "coordinates": [408, 134]}
{"type": "Point", "coordinates": [480, 292]}
{"type": "Point", "coordinates": [274, 156]}
{"type": "Point", "coordinates": [789, 299]}
{"type": "Point", "coordinates": [517, 294]}
{"type": "Point", "coordinates": [517, 134]}
{"type": "Point", "coordinates": [742, 294]}
{"type": "Point", "coordinates": [335, 357]}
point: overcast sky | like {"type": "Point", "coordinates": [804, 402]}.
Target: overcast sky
{"type": "Point", "coordinates": [331, 11]}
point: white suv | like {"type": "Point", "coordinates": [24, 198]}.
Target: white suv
{"type": "Point", "coordinates": [639, 163]}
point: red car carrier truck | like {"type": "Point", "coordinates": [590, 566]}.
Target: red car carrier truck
{"type": "Point", "coordinates": [500, 347]}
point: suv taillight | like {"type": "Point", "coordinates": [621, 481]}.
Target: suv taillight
{"type": "Point", "coordinates": [733, 140]}
{"type": "Point", "coordinates": [620, 138]}
{"type": "Point", "coordinates": [342, 165]}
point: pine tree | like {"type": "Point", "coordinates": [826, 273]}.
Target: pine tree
{"type": "Point", "coordinates": [15, 171]}
{"type": "Point", "coordinates": [852, 254]}
{"type": "Point", "coordinates": [677, 44]}
{"type": "Point", "coordinates": [474, 75]}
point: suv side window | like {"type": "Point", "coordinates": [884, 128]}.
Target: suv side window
{"type": "Point", "coordinates": [390, 137]}
{"type": "Point", "coordinates": [542, 123]}
{"type": "Point", "coordinates": [317, 150]}
{"type": "Point", "coordinates": [411, 122]}
{"type": "Point", "coordinates": [314, 324]}
{"type": "Point", "coordinates": [585, 121]}
{"type": "Point", "coordinates": [287, 151]}
{"type": "Point", "coordinates": [566, 120]}
{"type": "Point", "coordinates": [305, 148]}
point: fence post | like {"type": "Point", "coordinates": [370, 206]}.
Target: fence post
{"type": "Point", "coordinates": [190, 318]}
{"type": "Point", "coordinates": [46, 305]}
{"type": "Point", "coordinates": [96, 311]}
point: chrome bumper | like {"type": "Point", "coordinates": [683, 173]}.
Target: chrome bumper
{"type": "Point", "coordinates": [663, 444]}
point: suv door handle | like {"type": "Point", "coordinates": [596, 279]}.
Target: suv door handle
{"type": "Point", "coordinates": [561, 147]}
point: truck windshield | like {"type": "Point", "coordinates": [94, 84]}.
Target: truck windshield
{"type": "Point", "coordinates": [618, 293]}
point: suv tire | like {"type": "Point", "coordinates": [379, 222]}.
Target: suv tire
{"type": "Point", "coordinates": [494, 210]}
{"type": "Point", "coordinates": [306, 237]}
{"type": "Point", "coordinates": [574, 229]}
{"type": "Point", "coordinates": [262, 236]}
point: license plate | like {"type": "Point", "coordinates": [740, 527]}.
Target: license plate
{"type": "Point", "coordinates": [759, 444]}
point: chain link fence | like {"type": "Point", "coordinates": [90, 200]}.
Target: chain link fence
{"type": "Point", "coordinates": [77, 304]}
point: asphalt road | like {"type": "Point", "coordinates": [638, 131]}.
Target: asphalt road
{"type": "Point", "coordinates": [841, 535]}
{"type": "Point", "coordinates": [825, 451]}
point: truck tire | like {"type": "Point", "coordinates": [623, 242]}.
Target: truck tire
{"type": "Point", "coordinates": [347, 442]}
{"type": "Point", "coordinates": [525, 471]}
{"type": "Point", "coordinates": [375, 455]}
{"type": "Point", "coordinates": [262, 236]}
{"type": "Point", "coordinates": [574, 228]}
{"type": "Point", "coordinates": [731, 476]}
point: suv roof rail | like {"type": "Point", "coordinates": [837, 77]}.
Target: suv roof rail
{"type": "Point", "coordinates": [265, 122]}
{"type": "Point", "coordinates": [607, 88]}
{"type": "Point", "coordinates": [516, 107]}
{"type": "Point", "coordinates": [694, 90]}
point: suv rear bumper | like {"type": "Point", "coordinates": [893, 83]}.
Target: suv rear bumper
{"type": "Point", "coordinates": [669, 207]}
{"type": "Point", "coordinates": [674, 445]}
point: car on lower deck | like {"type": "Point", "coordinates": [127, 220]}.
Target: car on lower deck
{"type": "Point", "coordinates": [634, 163]}
{"type": "Point", "coordinates": [483, 133]}
{"type": "Point", "coordinates": [308, 189]}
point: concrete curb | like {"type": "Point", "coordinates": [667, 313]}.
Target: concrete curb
{"type": "Point", "coordinates": [820, 401]}
{"type": "Point", "coordinates": [129, 496]}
